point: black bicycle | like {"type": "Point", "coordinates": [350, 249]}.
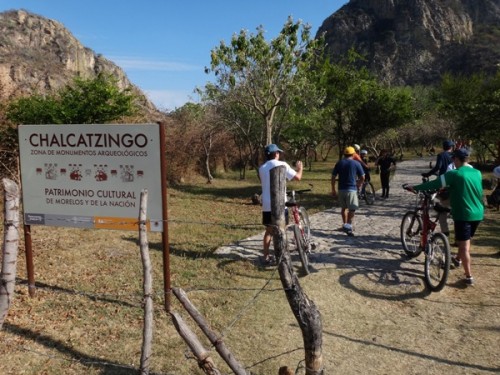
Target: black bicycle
{"type": "Point", "coordinates": [298, 218]}
{"type": "Point", "coordinates": [418, 234]}
{"type": "Point", "coordinates": [367, 192]}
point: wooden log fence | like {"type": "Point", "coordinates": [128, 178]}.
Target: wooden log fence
{"type": "Point", "coordinates": [215, 340]}
{"type": "Point", "coordinates": [10, 247]}
{"type": "Point", "coordinates": [147, 336]}
{"type": "Point", "coordinates": [202, 355]}
{"type": "Point", "coordinates": [305, 311]}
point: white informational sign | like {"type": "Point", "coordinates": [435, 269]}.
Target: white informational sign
{"type": "Point", "coordinates": [90, 176]}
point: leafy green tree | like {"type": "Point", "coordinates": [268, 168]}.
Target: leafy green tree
{"type": "Point", "coordinates": [473, 103]}
{"type": "Point", "coordinates": [259, 75]}
{"type": "Point", "coordinates": [85, 101]}
{"type": "Point", "coordinates": [357, 106]}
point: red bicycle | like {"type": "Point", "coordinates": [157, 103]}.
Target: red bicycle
{"type": "Point", "coordinates": [301, 227]}
{"type": "Point", "coordinates": [418, 234]}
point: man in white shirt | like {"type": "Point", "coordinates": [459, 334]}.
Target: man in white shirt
{"type": "Point", "coordinates": [273, 154]}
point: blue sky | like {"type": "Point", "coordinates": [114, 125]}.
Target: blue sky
{"type": "Point", "coordinates": [164, 45]}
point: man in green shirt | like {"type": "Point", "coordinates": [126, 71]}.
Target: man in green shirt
{"type": "Point", "coordinates": [466, 199]}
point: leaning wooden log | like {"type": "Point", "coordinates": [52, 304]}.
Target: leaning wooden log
{"type": "Point", "coordinates": [147, 336]}
{"type": "Point", "coordinates": [214, 339]}
{"type": "Point", "coordinates": [10, 246]}
{"type": "Point", "coordinates": [304, 310]}
{"type": "Point", "coordinates": [202, 355]}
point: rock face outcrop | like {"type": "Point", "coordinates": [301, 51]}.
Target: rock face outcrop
{"type": "Point", "coordinates": [407, 42]}
{"type": "Point", "coordinates": [40, 55]}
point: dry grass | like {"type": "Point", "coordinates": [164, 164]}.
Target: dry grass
{"type": "Point", "coordinates": [86, 317]}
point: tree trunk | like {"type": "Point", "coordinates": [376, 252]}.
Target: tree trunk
{"type": "Point", "coordinates": [147, 286]}
{"type": "Point", "coordinates": [305, 311]}
{"type": "Point", "coordinates": [10, 246]}
{"type": "Point", "coordinates": [208, 149]}
{"type": "Point", "coordinates": [269, 131]}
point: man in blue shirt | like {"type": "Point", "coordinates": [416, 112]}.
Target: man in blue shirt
{"type": "Point", "coordinates": [351, 177]}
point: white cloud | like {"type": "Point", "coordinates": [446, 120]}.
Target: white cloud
{"type": "Point", "coordinates": [131, 63]}
{"type": "Point", "coordinates": [168, 100]}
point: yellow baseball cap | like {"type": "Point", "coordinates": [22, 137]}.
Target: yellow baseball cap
{"type": "Point", "coordinates": [349, 151]}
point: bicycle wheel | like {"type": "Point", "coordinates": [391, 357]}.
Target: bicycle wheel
{"type": "Point", "coordinates": [305, 225]}
{"type": "Point", "coordinates": [411, 228]}
{"type": "Point", "coordinates": [437, 262]}
{"type": "Point", "coordinates": [300, 248]}
{"type": "Point", "coordinates": [369, 193]}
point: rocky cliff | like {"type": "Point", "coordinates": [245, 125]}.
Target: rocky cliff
{"type": "Point", "coordinates": [416, 41]}
{"type": "Point", "coordinates": [41, 55]}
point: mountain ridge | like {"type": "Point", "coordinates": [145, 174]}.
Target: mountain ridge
{"type": "Point", "coordinates": [41, 55]}
{"type": "Point", "coordinates": [411, 42]}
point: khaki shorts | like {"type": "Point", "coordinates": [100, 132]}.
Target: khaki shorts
{"type": "Point", "coordinates": [349, 200]}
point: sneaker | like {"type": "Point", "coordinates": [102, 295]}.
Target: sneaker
{"type": "Point", "coordinates": [455, 263]}
{"type": "Point", "coordinates": [469, 280]}
{"type": "Point", "coordinates": [348, 229]}
{"type": "Point", "coordinates": [269, 261]}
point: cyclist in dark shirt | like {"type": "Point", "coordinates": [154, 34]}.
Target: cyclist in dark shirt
{"type": "Point", "coordinates": [442, 160]}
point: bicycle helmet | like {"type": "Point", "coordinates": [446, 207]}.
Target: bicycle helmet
{"type": "Point", "coordinates": [356, 147]}
{"type": "Point", "coordinates": [496, 172]}
{"type": "Point", "coordinates": [363, 152]}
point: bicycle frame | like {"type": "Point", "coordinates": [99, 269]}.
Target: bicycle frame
{"type": "Point", "coordinates": [293, 206]}
{"type": "Point", "coordinates": [434, 245]}
{"type": "Point", "coordinates": [301, 228]}
{"type": "Point", "coordinates": [428, 226]}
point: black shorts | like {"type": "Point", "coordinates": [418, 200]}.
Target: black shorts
{"type": "Point", "coordinates": [266, 218]}
{"type": "Point", "coordinates": [465, 230]}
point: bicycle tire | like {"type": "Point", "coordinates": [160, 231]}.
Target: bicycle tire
{"type": "Point", "coordinates": [437, 262]}
{"type": "Point", "coordinates": [300, 248]}
{"type": "Point", "coordinates": [411, 229]}
{"type": "Point", "coordinates": [305, 224]}
{"type": "Point", "coordinates": [369, 193]}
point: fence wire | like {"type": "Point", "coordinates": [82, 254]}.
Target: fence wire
{"type": "Point", "coordinates": [136, 300]}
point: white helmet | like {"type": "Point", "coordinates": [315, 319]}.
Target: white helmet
{"type": "Point", "coordinates": [496, 172]}
{"type": "Point", "coordinates": [363, 152]}
{"type": "Point", "coordinates": [356, 147]}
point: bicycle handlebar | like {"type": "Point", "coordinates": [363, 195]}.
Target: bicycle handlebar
{"type": "Point", "coordinates": [298, 191]}
{"type": "Point", "coordinates": [290, 192]}
{"type": "Point", "coordinates": [409, 187]}
{"type": "Point", "coordinates": [427, 193]}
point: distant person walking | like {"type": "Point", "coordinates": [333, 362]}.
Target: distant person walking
{"type": "Point", "coordinates": [273, 154]}
{"type": "Point", "coordinates": [350, 179]}
{"type": "Point", "coordinates": [386, 164]}
{"type": "Point", "coordinates": [466, 199]}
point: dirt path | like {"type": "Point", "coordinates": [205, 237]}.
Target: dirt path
{"type": "Point", "coordinates": [377, 315]}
